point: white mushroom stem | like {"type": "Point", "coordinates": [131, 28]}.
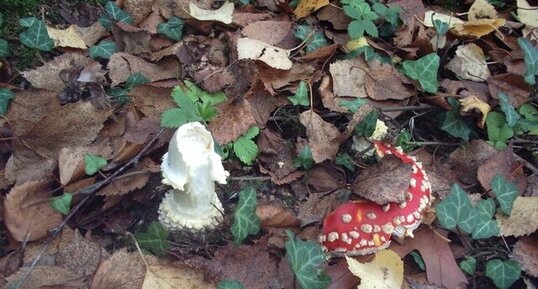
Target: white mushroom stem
{"type": "Point", "coordinates": [191, 167]}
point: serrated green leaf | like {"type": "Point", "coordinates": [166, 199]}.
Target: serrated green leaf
{"type": "Point", "coordinates": [510, 113]}
{"type": "Point", "coordinates": [531, 60]}
{"type": "Point", "coordinates": [498, 130]}
{"type": "Point", "coordinates": [301, 95]}
{"type": "Point", "coordinates": [393, 14]}
{"type": "Point", "coordinates": [172, 29]}
{"type": "Point", "coordinates": [454, 209]}
{"type": "Point", "coordinates": [104, 49]}
{"type": "Point", "coordinates": [135, 79]}
{"type": "Point", "coordinates": [154, 239]}
{"type": "Point", "coordinates": [116, 13]}
{"type": "Point", "coordinates": [5, 96]}
{"type": "Point", "coordinates": [313, 38]}
{"type": "Point", "coordinates": [505, 191]}
{"type": "Point", "coordinates": [4, 48]}
{"type": "Point", "coordinates": [367, 126]}
{"type": "Point", "coordinates": [93, 163]}
{"type": "Point", "coordinates": [246, 222]}
{"type": "Point", "coordinates": [485, 228]}
{"type": "Point", "coordinates": [27, 22]}
{"type": "Point", "coordinates": [62, 203]}
{"type": "Point", "coordinates": [230, 284]}
{"type": "Point", "coordinates": [352, 105]}
{"type": "Point", "coordinates": [486, 208]}
{"type": "Point", "coordinates": [468, 265]}
{"type": "Point", "coordinates": [36, 36]}
{"type": "Point", "coordinates": [304, 159]}
{"type": "Point", "coordinates": [355, 29]}
{"type": "Point", "coordinates": [196, 93]}
{"type": "Point", "coordinates": [503, 274]}
{"type": "Point", "coordinates": [418, 259]}
{"type": "Point", "coordinates": [206, 111]}
{"type": "Point", "coordinates": [246, 149]}
{"type": "Point", "coordinates": [370, 28]}
{"type": "Point", "coordinates": [424, 70]}
{"type": "Point", "coordinates": [454, 124]}
{"type": "Point", "coordinates": [304, 258]}
{"type": "Point", "coordinates": [174, 117]}
{"type": "Point", "coordinates": [345, 160]}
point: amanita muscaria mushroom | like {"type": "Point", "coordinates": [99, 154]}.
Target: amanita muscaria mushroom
{"type": "Point", "coordinates": [191, 167]}
{"type": "Point", "coordinates": [362, 227]}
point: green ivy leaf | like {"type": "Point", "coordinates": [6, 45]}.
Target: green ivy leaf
{"type": "Point", "coordinates": [304, 159]}
{"type": "Point", "coordinates": [510, 113]}
{"type": "Point", "coordinates": [503, 274]}
{"type": "Point", "coordinates": [246, 222]}
{"type": "Point", "coordinates": [403, 140]}
{"type": "Point", "coordinates": [485, 228]}
{"type": "Point", "coordinates": [453, 123]}
{"type": "Point", "coordinates": [93, 163]}
{"type": "Point", "coordinates": [505, 191]}
{"type": "Point", "coordinates": [304, 258]}
{"type": "Point", "coordinates": [424, 70]}
{"type": "Point", "coordinates": [104, 49]}
{"type": "Point", "coordinates": [301, 95]}
{"type": "Point", "coordinates": [246, 149]}
{"type": "Point", "coordinates": [441, 28]}
{"type": "Point", "coordinates": [418, 259]}
{"type": "Point", "coordinates": [135, 79]}
{"type": "Point", "coordinates": [116, 13]}
{"type": "Point", "coordinates": [531, 60]}
{"type": "Point", "coordinates": [36, 36]}
{"type": "Point", "coordinates": [4, 48]}
{"type": "Point", "coordinates": [5, 96]}
{"type": "Point", "coordinates": [154, 239]}
{"type": "Point", "coordinates": [367, 126]}
{"type": "Point", "coordinates": [172, 29]}
{"type": "Point", "coordinates": [345, 160]}
{"type": "Point", "coordinates": [62, 203]}
{"type": "Point", "coordinates": [28, 21]}
{"type": "Point", "coordinates": [313, 38]}
{"type": "Point", "coordinates": [454, 209]}
{"type": "Point", "coordinates": [352, 105]}
{"type": "Point", "coordinates": [230, 284]}
{"type": "Point", "coordinates": [468, 265]}
{"type": "Point", "coordinates": [498, 130]}
{"type": "Point", "coordinates": [486, 208]}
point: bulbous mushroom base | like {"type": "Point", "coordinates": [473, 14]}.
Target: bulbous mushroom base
{"type": "Point", "coordinates": [175, 217]}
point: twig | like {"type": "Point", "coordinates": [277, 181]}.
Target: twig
{"type": "Point", "coordinates": [248, 178]}
{"type": "Point", "coordinates": [90, 191]}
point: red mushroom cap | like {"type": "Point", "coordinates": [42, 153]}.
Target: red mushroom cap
{"type": "Point", "coordinates": [363, 227]}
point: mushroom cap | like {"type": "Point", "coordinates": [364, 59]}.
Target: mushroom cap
{"type": "Point", "coordinates": [363, 227]}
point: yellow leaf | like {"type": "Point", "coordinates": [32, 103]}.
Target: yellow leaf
{"type": "Point", "coordinates": [66, 38]}
{"type": "Point", "coordinates": [354, 44]}
{"type": "Point", "coordinates": [527, 14]}
{"type": "Point", "coordinates": [472, 102]}
{"type": "Point", "coordinates": [384, 272]}
{"type": "Point", "coordinates": [478, 28]}
{"type": "Point", "coordinates": [482, 9]}
{"type": "Point", "coordinates": [306, 7]}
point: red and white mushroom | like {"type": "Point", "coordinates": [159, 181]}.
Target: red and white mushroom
{"type": "Point", "coordinates": [362, 227]}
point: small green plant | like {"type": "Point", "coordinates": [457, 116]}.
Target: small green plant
{"type": "Point", "coordinates": [246, 222]}
{"type": "Point", "coordinates": [314, 39]}
{"type": "Point", "coordinates": [120, 94]}
{"type": "Point", "coordinates": [172, 29]}
{"type": "Point", "coordinates": [5, 96]}
{"type": "Point", "coordinates": [114, 12]}
{"type": "Point", "coordinates": [154, 239]}
{"type": "Point", "coordinates": [62, 203]}
{"type": "Point", "coordinates": [503, 273]}
{"type": "Point", "coordinates": [367, 126]}
{"type": "Point", "coordinates": [245, 148]}
{"type": "Point", "coordinates": [93, 163]}
{"type": "Point", "coordinates": [304, 159]}
{"type": "Point", "coordinates": [301, 95]}
{"type": "Point", "coordinates": [424, 70]}
{"type": "Point", "coordinates": [304, 258]}
{"type": "Point", "coordinates": [453, 123]}
{"type": "Point", "coordinates": [104, 49]}
{"type": "Point", "coordinates": [363, 16]}
{"type": "Point", "coordinates": [230, 284]}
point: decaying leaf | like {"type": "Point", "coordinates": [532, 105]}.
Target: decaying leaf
{"type": "Point", "coordinates": [481, 9]}
{"type": "Point", "coordinates": [122, 65]}
{"type": "Point", "coordinates": [307, 7]}
{"type": "Point", "coordinates": [384, 82]}
{"type": "Point", "coordinates": [80, 255]}
{"type": "Point", "coordinates": [275, 215]}
{"type": "Point", "coordinates": [46, 277]}
{"type": "Point", "coordinates": [48, 75]}
{"type": "Point", "coordinates": [322, 136]}
{"type": "Point", "coordinates": [174, 277]}
{"type": "Point", "coordinates": [223, 14]}
{"type": "Point", "coordinates": [523, 219]}
{"type": "Point", "coordinates": [122, 270]}
{"type": "Point", "coordinates": [472, 102]}
{"type": "Point", "coordinates": [385, 271]}
{"type": "Point", "coordinates": [349, 77]}
{"type": "Point", "coordinates": [464, 162]}
{"type": "Point", "coordinates": [478, 28]}
{"type": "Point", "coordinates": [257, 50]}
{"type": "Point", "coordinates": [431, 16]}
{"type": "Point", "coordinates": [526, 254]}
{"type": "Point", "coordinates": [68, 37]}
{"type": "Point", "coordinates": [271, 32]}
{"type": "Point", "coordinates": [470, 63]}
{"type": "Point", "coordinates": [527, 14]}
{"type": "Point", "coordinates": [503, 163]}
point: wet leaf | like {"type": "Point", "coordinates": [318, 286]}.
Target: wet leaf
{"type": "Point", "coordinates": [246, 222]}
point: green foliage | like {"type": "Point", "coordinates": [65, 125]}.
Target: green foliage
{"type": "Point", "coordinates": [498, 130]}
{"type": "Point", "coordinates": [304, 159]}
{"type": "Point", "coordinates": [104, 49]}
{"type": "Point", "coordinates": [62, 203]}
{"type": "Point", "coordinates": [93, 163]}
{"type": "Point", "coordinates": [529, 122]}
{"type": "Point", "coordinates": [314, 39]}
{"type": "Point", "coordinates": [36, 36]}
{"type": "Point", "coordinates": [512, 117]}
{"type": "Point", "coordinates": [4, 48]}
{"type": "Point", "coordinates": [230, 284]}
{"type": "Point", "coordinates": [5, 96]}
{"type": "Point", "coordinates": [301, 95]}
{"type": "Point", "coordinates": [505, 191]}
{"type": "Point", "coordinates": [245, 148]}
{"type": "Point", "coordinates": [403, 140]}
{"type": "Point", "coordinates": [304, 258]}
{"type": "Point", "coordinates": [114, 12]}
{"type": "Point", "coordinates": [503, 274]}
{"type": "Point", "coordinates": [367, 126]}
{"type": "Point", "coordinates": [453, 123]}
{"type": "Point", "coordinates": [418, 259]}
{"type": "Point", "coordinates": [154, 239]}
{"type": "Point", "coordinates": [468, 265]}
{"type": "Point", "coordinates": [345, 160]}
{"type": "Point", "coordinates": [172, 29]}
{"type": "Point", "coordinates": [194, 104]}
{"type": "Point", "coordinates": [424, 70]}
{"type": "Point", "coordinates": [246, 222]}
{"type": "Point", "coordinates": [531, 59]}
{"type": "Point", "coordinates": [363, 16]}
{"type": "Point", "coordinates": [352, 105]}
{"type": "Point", "coordinates": [369, 55]}
{"type": "Point", "coordinates": [441, 28]}
{"type": "Point", "coordinates": [135, 79]}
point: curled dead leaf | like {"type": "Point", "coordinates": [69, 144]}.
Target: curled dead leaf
{"type": "Point", "coordinates": [322, 136]}
{"type": "Point", "coordinates": [472, 102]}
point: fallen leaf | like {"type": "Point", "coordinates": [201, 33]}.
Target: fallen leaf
{"type": "Point", "coordinates": [46, 277]}
{"type": "Point", "coordinates": [349, 77]}
{"type": "Point", "coordinates": [80, 255]}
{"type": "Point", "coordinates": [276, 157]}
{"type": "Point", "coordinates": [174, 277]}
{"type": "Point", "coordinates": [326, 177]}
{"type": "Point", "coordinates": [223, 14]}
{"type": "Point", "coordinates": [130, 39]}
{"type": "Point", "coordinates": [481, 9]}
{"type": "Point", "coordinates": [125, 185]}
{"type": "Point", "coordinates": [29, 223]}
{"type": "Point", "coordinates": [384, 82]}
{"type": "Point", "coordinates": [502, 163]}
{"type": "Point", "coordinates": [523, 219]}
{"type": "Point", "coordinates": [68, 37]}
{"type": "Point", "coordinates": [271, 32]}
{"type": "Point", "coordinates": [122, 65]}
{"type": "Point", "coordinates": [276, 79]}
{"type": "Point", "coordinates": [71, 162]}
{"type": "Point", "coordinates": [91, 34]}
{"type": "Point", "coordinates": [511, 84]}
{"type": "Point", "coordinates": [470, 63]}
{"type": "Point", "coordinates": [385, 271]}
{"type": "Point", "coordinates": [257, 50]}
{"type": "Point", "coordinates": [527, 14]}
{"type": "Point", "coordinates": [152, 100]}
{"type": "Point", "coordinates": [525, 252]}
{"type": "Point", "coordinates": [478, 28]}
{"type": "Point", "coordinates": [48, 75]}
{"type": "Point", "coordinates": [472, 102]}
{"type": "Point", "coordinates": [307, 7]}
{"type": "Point", "coordinates": [465, 162]}
{"type": "Point", "coordinates": [322, 136]}
{"type": "Point", "coordinates": [275, 215]}
{"type": "Point", "coordinates": [122, 270]}
{"type": "Point", "coordinates": [317, 206]}
{"type": "Point", "coordinates": [138, 9]}
{"type": "Point", "coordinates": [431, 16]}
{"type": "Point", "coordinates": [244, 18]}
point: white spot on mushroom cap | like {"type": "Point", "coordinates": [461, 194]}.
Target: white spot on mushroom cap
{"type": "Point", "coordinates": [402, 205]}
{"type": "Point", "coordinates": [410, 218]}
{"type": "Point", "coordinates": [366, 228]}
{"type": "Point", "coordinates": [346, 218]}
{"type": "Point", "coordinates": [332, 236]}
{"type": "Point", "coordinates": [371, 216]}
{"type": "Point", "coordinates": [377, 229]}
{"type": "Point", "coordinates": [354, 234]}
{"type": "Point", "coordinates": [385, 208]}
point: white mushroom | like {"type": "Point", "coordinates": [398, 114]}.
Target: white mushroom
{"type": "Point", "coordinates": [191, 167]}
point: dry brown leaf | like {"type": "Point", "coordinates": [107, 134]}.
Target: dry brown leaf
{"type": "Point", "coordinates": [503, 163]}
{"type": "Point", "coordinates": [80, 255]}
{"type": "Point", "coordinates": [478, 28]}
{"type": "Point", "coordinates": [138, 9]}
{"type": "Point", "coordinates": [174, 277]}
{"type": "Point", "coordinates": [130, 39]}
{"type": "Point", "coordinates": [137, 181]}
{"type": "Point", "coordinates": [48, 75]}
{"type": "Point", "coordinates": [244, 18]}
{"type": "Point", "coordinates": [122, 270]}
{"type": "Point", "coordinates": [46, 277]}
{"type": "Point", "coordinates": [385, 82]}
{"type": "Point", "coordinates": [335, 16]}
{"type": "Point", "coordinates": [223, 14]}
{"type": "Point", "coordinates": [122, 65]}
{"type": "Point", "coordinates": [349, 77]}
{"type": "Point", "coordinates": [385, 271]}
{"type": "Point", "coordinates": [270, 31]}
{"type": "Point", "coordinates": [91, 34]}
{"type": "Point", "coordinates": [513, 85]}
{"type": "Point", "coordinates": [275, 215]}
{"type": "Point", "coordinates": [526, 254]}
{"type": "Point", "coordinates": [322, 136]}
{"type": "Point", "coordinates": [152, 100]}
{"type": "Point", "coordinates": [276, 157]}
{"type": "Point", "coordinates": [275, 79]}
{"type": "Point", "coordinates": [430, 16]}
{"type": "Point", "coordinates": [481, 9]}
{"type": "Point", "coordinates": [472, 102]}
{"type": "Point", "coordinates": [257, 50]}
{"type": "Point", "coordinates": [527, 14]}
{"type": "Point", "coordinates": [29, 223]}
{"type": "Point", "coordinates": [68, 37]}
{"type": "Point", "coordinates": [317, 206]}
{"type": "Point", "coordinates": [307, 7]}
{"type": "Point", "coordinates": [470, 63]}
{"type": "Point", "coordinates": [523, 219]}
{"type": "Point", "coordinates": [326, 177]}
{"type": "Point", "coordinates": [464, 162]}
{"type": "Point", "coordinates": [71, 160]}
{"type": "Point", "coordinates": [327, 96]}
